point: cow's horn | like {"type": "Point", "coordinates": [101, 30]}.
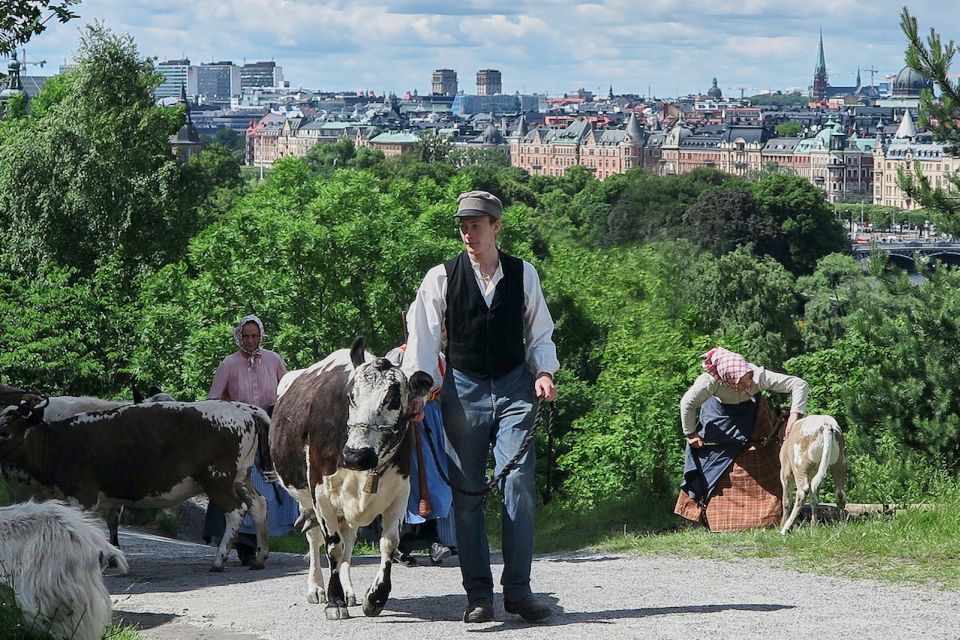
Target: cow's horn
{"type": "Point", "coordinates": [357, 351]}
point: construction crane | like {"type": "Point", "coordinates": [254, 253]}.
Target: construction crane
{"type": "Point", "coordinates": [873, 72]}
{"type": "Point", "coordinates": [24, 61]}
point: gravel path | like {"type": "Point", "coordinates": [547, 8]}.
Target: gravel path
{"type": "Point", "coordinates": [170, 595]}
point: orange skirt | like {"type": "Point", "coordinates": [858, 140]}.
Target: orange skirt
{"type": "Point", "coordinates": [747, 497]}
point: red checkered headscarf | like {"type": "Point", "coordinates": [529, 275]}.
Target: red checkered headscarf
{"type": "Point", "coordinates": [726, 366]}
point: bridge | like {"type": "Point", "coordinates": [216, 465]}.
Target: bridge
{"type": "Point", "coordinates": [902, 253]}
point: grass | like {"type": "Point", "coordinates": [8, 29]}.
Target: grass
{"type": "Point", "coordinates": [918, 546]}
{"type": "Point", "coordinates": [294, 542]}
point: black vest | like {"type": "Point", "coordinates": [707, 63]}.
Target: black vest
{"type": "Point", "coordinates": [482, 342]}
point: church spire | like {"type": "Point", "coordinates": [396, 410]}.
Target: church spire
{"type": "Point", "coordinates": [819, 89]}
{"type": "Point", "coordinates": [821, 62]}
{"type": "Point", "coordinates": [858, 77]}
{"type": "Point", "coordinates": [186, 103]}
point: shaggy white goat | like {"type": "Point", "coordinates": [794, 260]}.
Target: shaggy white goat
{"type": "Point", "coordinates": [51, 555]}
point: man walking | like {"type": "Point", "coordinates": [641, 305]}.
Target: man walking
{"type": "Point", "coordinates": [501, 360]}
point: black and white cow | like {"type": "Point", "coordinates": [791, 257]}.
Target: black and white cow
{"type": "Point", "coordinates": [339, 440]}
{"type": "Point", "coordinates": [21, 487]}
{"type": "Point", "coordinates": [147, 455]}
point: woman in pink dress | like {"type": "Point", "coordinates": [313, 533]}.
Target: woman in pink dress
{"type": "Point", "coordinates": [251, 375]}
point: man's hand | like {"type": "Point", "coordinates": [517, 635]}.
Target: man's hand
{"type": "Point", "coordinates": [695, 441]}
{"type": "Point", "coordinates": [544, 387]}
{"type": "Point", "coordinates": [416, 409]}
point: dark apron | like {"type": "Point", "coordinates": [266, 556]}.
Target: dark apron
{"type": "Point", "coordinates": [725, 429]}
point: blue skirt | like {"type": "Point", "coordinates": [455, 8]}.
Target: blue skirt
{"type": "Point", "coordinates": [282, 509]}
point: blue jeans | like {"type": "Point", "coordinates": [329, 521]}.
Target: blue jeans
{"type": "Point", "coordinates": [480, 414]}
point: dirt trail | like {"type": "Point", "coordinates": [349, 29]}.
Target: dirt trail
{"type": "Point", "coordinates": [171, 595]}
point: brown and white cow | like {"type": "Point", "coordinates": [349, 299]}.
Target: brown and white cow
{"type": "Point", "coordinates": [814, 446]}
{"type": "Point", "coordinates": [339, 440]}
{"type": "Point", "coordinates": [22, 487]}
{"type": "Point", "coordinates": [147, 455]}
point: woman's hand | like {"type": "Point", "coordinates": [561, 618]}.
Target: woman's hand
{"type": "Point", "coordinates": [794, 416]}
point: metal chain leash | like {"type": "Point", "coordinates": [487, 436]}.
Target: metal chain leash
{"type": "Point", "coordinates": [513, 463]}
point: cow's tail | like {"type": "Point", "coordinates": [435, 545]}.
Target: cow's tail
{"type": "Point", "coordinates": [828, 443]}
{"type": "Point", "coordinates": [262, 423]}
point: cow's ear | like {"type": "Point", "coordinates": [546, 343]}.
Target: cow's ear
{"type": "Point", "coordinates": [357, 352]}
{"type": "Point", "coordinates": [153, 391]}
{"type": "Point", "coordinates": [420, 383]}
{"type": "Point", "coordinates": [33, 415]}
{"type": "Point", "coordinates": [137, 397]}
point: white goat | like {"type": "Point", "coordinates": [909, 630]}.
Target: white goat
{"type": "Point", "coordinates": [815, 444]}
{"type": "Point", "coordinates": [51, 555]}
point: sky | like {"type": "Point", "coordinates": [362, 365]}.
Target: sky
{"type": "Point", "coordinates": [666, 47]}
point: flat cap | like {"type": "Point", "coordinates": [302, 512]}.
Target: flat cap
{"type": "Point", "coordinates": [478, 203]}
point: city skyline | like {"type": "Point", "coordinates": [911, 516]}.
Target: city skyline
{"type": "Point", "coordinates": [546, 47]}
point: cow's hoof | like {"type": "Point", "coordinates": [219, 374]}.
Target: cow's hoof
{"type": "Point", "coordinates": [336, 611]}
{"type": "Point", "coordinates": [257, 566]}
{"type": "Point", "coordinates": [216, 569]}
{"type": "Point", "coordinates": [352, 601]}
{"type": "Point", "coordinates": [372, 607]}
{"type": "Point", "coordinates": [316, 596]}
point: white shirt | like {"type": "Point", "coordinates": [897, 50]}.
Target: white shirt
{"type": "Point", "coordinates": [425, 318]}
{"type": "Point", "coordinates": [763, 380]}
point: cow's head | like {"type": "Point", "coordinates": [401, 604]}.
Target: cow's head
{"type": "Point", "coordinates": [378, 412]}
{"type": "Point", "coordinates": [14, 422]}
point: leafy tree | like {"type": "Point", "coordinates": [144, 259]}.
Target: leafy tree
{"type": "Point", "coordinates": [510, 184]}
{"type": "Point", "coordinates": [778, 98]}
{"type": "Point", "coordinates": [881, 217]}
{"type": "Point", "coordinates": [20, 20]}
{"type": "Point", "coordinates": [211, 182]}
{"type": "Point", "coordinates": [461, 157]}
{"type": "Point", "coordinates": [93, 175]}
{"type": "Point", "coordinates": [891, 382]}
{"type": "Point", "coordinates": [736, 299]}
{"type": "Point", "coordinates": [649, 206]}
{"type": "Point", "coordinates": [807, 226]}
{"type": "Point", "coordinates": [367, 158]}
{"type": "Point", "coordinates": [232, 139]}
{"type": "Point", "coordinates": [932, 59]}
{"type": "Point", "coordinates": [70, 335]}
{"type": "Point", "coordinates": [832, 292]}
{"type": "Point", "coordinates": [320, 259]}
{"type": "Point", "coordinates": [217, 166]}
{"type": "Point", "coordinates": [723, 219]}
{"type": "Point", "coordinates": [324, 158]}
{"type": "Point", "coordinates": [789, 129]}
{"type": "Point", "coordinates": [619, 426]}
{"type": "Point", "coordinates": [432, 148]}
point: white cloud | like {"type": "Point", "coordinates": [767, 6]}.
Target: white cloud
{"type": "Point", "coordinates": [544, 44]}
